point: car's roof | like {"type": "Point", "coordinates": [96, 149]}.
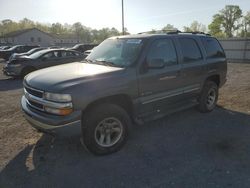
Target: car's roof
{"type": "Point", "coordinates": [56, 49]}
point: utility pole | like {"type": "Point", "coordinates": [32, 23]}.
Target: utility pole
{"type": "Point", "coordinates": [123, 29]}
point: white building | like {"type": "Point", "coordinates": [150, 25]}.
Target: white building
{"type": "Point", "coordinates": [35, 36]}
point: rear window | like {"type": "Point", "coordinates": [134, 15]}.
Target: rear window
{"type": "Point", "coordinates": [213, 48]}
{"type": "Point", "coordinates": [190, 50]}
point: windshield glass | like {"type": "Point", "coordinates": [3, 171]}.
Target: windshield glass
{"type": "Point", "coordinates": [13, 47]}
{"type": "Point", "coordinates": [37, 54]}
{"type": "Point", "coordinates": [32, 51]}
{"type": "Point", "coordinates": [76, 46]}
{"type": "Point", "coordinates": [116, 52]}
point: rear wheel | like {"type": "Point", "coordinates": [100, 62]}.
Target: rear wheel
{"type": "Point", "coordinates": [105, 128]}
{"type": "Point", "coordinates": [208, 97]}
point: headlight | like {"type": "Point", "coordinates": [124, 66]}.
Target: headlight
{"type": "Point", "coordinates": [61, 111]}
{"type": "Point", "coordinates": [57, 97]}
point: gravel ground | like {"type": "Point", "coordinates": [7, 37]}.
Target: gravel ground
{"type": "Point", "coordinates": [185, 149]}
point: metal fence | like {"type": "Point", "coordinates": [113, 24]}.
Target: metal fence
{"type": "Point", "coordinates": [237, 49]}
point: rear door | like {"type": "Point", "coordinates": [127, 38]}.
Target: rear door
{"type": "Point", "coordinates": [70, 56]}
{"type": "Point", "coordinates": [49, 59]}
{"type": "Point", "coordinates": [159, 86]}
{"type": "Point", "coordinates": [192, 64]}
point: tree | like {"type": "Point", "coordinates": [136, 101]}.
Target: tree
{"type": "Point", "coordinates": [230, 17]}
{"type": "Point", "coordinates": [26, 24]}
{"type": "Point", "coordinates": [169, 27]}
{"type": "Point", "coordinates": [84, 34]}
{"type": "Point", "coordinates": [77, 28]}
{"type": "Point", "coordinates": [246, 25]}
{"type": "Point", "coordinates": [215, 27]}
{"type": "Point", "coordinates": [57, 28]}
{"type": "Point", "coordinates": [195, 26]}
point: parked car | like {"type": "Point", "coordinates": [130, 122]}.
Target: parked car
{"type": "Point", "coordinates": [87, 52]}
{"type": "Point", "coordinates": [18, 55]}
{"type": "Point", "coordinates": [41, 59]}
{"type": "Point", "coordinates": [83, 47]}
{"type": "Point", "coordinates": [126, 79]}
{"type": "Point", "coordinates": [5, 54]}
{"type": "Point", "coordinates": [4, 47]}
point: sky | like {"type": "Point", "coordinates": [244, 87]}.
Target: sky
{"type": "Point", "coordinates": [139, 15]}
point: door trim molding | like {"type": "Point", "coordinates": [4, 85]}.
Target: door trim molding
{"type": "Point", "coordinates": [173, 93]}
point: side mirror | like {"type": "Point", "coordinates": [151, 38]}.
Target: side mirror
{"type": "Point", "coordinates": [156, 63]}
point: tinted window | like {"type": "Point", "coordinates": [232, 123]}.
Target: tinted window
{"type": "Point", "coordinates": [51, 55]}
{"type": "Point", "coordinates": [77, 54]}
{"type": "Point", "coordinates": [58, 54]}
{"type": "Point", "coordinates": [164, 50]}
{"type": "Point", "coordinates": [67, 54]}
{"type": "Point", "coordinates": [190, 50]}
{"type": "Point", "coordinates": [213, 48]}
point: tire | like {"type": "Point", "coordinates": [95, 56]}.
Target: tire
{"type": "Point", "coordinates": [26, 71]}
{"type": "Point", "coordinates": [105, 128]}
{"type": "Point", "coordinates": [208, 97]}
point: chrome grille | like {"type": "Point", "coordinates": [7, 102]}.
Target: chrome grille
{"type": "Point", "coordinates": [33, 96]}
{"type": "Point", "coordinates": [35, 92]}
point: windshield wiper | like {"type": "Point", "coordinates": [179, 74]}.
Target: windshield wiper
{"type": "Point", "coordinates": [88, 61]}
{"type": "Point", "coordinates": [102, 62]}
{"type": "Point", "coordinates": [108, 63]}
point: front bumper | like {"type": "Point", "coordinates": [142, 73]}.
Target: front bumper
{"type": "Point", "coordinates": [44, 121]}
{"type": "Point", "coordinates": [12, 71]}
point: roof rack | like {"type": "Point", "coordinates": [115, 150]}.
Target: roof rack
{"type": "Point", "coordinates": [195, 32]}
{"type": "Point", "coordinates": [164, 31]}
{"type": "Point", "coordinates": [174, 31]}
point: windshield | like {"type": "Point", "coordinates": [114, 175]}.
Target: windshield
{"type": "Point", "coordinates": [32, 51]}
{"type": "Point", "coordinates": [13, 47]}
{"type": "Point", "coordinates": [36, 54]}
{"type": "Point", "coordinates": [116, 52]}
{"type": "Point", "coordinates": [76, 46]}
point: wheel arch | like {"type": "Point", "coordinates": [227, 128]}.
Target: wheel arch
{"type": "Point", "coordinates": [215, 78]}
{"type": "Point", "coordinates": [28, 67]}
{"type": "Point", "coordinates": [122, 100]}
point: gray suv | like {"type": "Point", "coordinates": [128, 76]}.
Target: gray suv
{"type": "Point", "coordinates": [125, 80]}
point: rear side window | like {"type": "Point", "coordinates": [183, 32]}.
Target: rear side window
{"type": "Point", "coordinates": [76, 54]}
{"type": "Point", "coordinates": [213, 48]}
{"type": "Point", "coordinates": [190, 50]}
{"type": "Point", "coordinates": [165, 50]}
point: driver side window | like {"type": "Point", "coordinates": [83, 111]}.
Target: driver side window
{"type": "Point", "coordinates": [48, 55]}
{"type": "Point", "coordinates": [164, 50]}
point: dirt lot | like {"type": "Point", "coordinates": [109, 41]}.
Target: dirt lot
{"type": "Point", "coordinates": [185, 149]}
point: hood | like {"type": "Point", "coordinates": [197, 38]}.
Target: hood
{"type": "Point", "coordinates": [58, 78]}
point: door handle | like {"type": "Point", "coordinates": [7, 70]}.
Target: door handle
{"type": "Point", "coordinates": [168, 77]}
{"type": "Point", "coordinates": [212, 70]}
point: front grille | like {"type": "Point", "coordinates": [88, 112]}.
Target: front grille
{"type": "Point", "coordinates": [30, 94]}
{"type": "Point", "coordinates": [34, 104]}
{"type": "Point", "coordinates": [34, 92]}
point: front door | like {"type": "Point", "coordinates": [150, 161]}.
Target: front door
{"type": "Point", "coordinates": [160, 83]}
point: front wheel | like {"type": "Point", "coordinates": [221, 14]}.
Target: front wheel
{"type": "Point", "coordinates": [105, 128]}
{"type": "Point", "coordinates": [208, 97]}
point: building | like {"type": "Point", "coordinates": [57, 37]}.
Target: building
{"type": "Point", "coordinates": [65, 39]}
{"type": "Point", "coordinates": [34, 36]}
